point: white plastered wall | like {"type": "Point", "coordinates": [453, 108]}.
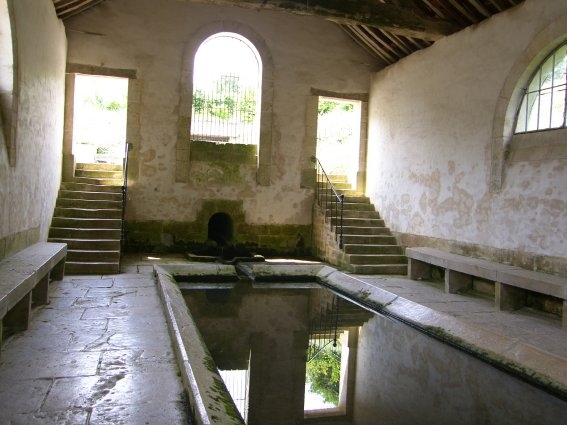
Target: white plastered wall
{"type": "Point", "coordinates": [151, 38]}
{"type": "Point", "coordinates": [29, 183]}
{"type": "Point", "coordinates": [434, 120]}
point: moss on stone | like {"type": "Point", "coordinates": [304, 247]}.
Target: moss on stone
{"type": "Point", "coordinates": [222, 153]}
{"type": "Point", "coordinates": [170, 236]}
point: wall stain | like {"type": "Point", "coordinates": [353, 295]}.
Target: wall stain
{"type": "Point", "coordinates": [148, 155]}
{"type": "Point", "coordinates": [460, 203]}
{"type": "Point", "coordinates": [148, 170]}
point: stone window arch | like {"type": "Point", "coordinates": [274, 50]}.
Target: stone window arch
{"type": "Point", "coordinates": [508, 146]}
{"type": "Point", "coordinates": [8, 80]}
{"type": "Point", "coordinates": [544, 101]}
{"type": "Point", "coordinates": [183, 146]}
{"type": "Point", "coordinates": [227, 81]}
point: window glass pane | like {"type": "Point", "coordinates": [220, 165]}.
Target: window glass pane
{"type": "Point", "coordinates": [558, 107]}
{"type": "Point", "coordinates": [533, 111]}
{"type": "Point", "coordinates": [534, 84]}
{"type": "Point", "coordinates": [544, 118]}
{"type": "Point", "coordinates": [547, 73]}
{"type": "Point", "coordinates": [522, 114]}
{"type": "Point", "coordinates": [560, 66]}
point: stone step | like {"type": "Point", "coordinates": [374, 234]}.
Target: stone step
{"type": "Point", "coordinates": [98, 166]}
{"type": "Point", "coordinates": [88, 212]}
{"type": "Point", "coordinates": [87, 187]}
{"type": "Point", "coordinates": [352, 206]}
{"type": "Point", "coordinates": [384, 249]}
{"type": "Point", "coordinates": [87, 223]}
{"type": "Point", "coordinates": [89, 244]}
{"type": "Point", "coordinates": [88, 203]}
{"type": "Point", "coordinates": [346, 192]}
{"type": "Point", "coordinates": [88, 217]}
{"type": "Point", "coordinates": [334, 177]}
{"type": "Point", "coordinates": [87, 268]}
{"type": "Point", "coordinates": [95, 196]}
{"type": "Point", "coordinates": [369, 239]}
{"type": "Point", "coordinates": [89, 233]}
{"type": "Point", "coordinates": [100, 174]}
{"type": "Point", "coordinates": [358, 206]}
{"type": "Point", "coordinates": [372, 259]}
{"type": "Point", "coordinates": [389, 269]}
{"type": "Point", "coordinates": [75, 255]}
{"type": "Point", "coordinates": [99, 181]}
{"type": "Point", "coordinates": [348, 199]}
{"type": "Point", "coordinates": [361, 214]}
{"type": "Point", "coordinates": [360, 222]}
{"type": "Point", "coordinates": [337, 185]}
{"type": "Point", "coordinates": [358, 230]}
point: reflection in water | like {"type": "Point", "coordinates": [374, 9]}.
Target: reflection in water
{"type": "Point", "coordinates": [236, 382]}
{"type": "Point", "coordinates": [265, 332]}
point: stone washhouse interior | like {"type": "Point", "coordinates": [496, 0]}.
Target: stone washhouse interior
{"type": "Point", "coordinates": [283, 212]}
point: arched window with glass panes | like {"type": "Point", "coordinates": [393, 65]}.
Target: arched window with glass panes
{"type": "Point", "coordinates": [544, 103]}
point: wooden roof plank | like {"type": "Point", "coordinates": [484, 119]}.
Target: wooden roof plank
{"type": "Point", "coordinates": [368, 46]}
{"type": "Point", "coordinates": [457, 5]}
{"type": "Point", "coordinates": [480, 8]}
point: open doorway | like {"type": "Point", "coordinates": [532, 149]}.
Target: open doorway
{"type": "Point", "coordinates": [99, 119]}
{"type": "Point", "coordinates": [338, 136]}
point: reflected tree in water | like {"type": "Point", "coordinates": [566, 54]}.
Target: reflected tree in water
{"type": "Point", "coordinates": [324, 373]}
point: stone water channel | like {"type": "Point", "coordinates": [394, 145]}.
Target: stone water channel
{"type": "Point", "coordinates": [255, 316]}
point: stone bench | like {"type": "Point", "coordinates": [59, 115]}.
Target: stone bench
{"type": "Point", "coordinates": [24, 279]}
{"type": "Point", "coordinates": [511, 282]}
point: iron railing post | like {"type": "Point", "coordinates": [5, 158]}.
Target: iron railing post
{"type": "Point", "coordinates": [127, 149]}
{"type": "Point", "coordinates": [330, 201]}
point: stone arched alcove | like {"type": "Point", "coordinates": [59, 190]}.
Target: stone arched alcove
{"type": "Point", "coordinates": [183, 147]}
{"type": "Point", "coordinates": [220, 228]}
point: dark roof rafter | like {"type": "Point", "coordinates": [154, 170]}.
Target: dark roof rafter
{"type": "Point", "coordinates": [388, 16]}
{"type": "Point", "coordinates": [388, 29]}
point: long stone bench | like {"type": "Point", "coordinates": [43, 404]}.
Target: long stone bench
{"type": "Point", "coordinates": [511, 282]}
{"type": "Point", "coordinates": [24, 279]}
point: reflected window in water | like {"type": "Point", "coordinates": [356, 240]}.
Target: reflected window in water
{"type": "Point", "coordinates": [281, 350]}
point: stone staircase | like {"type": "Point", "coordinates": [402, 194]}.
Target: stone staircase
{"type": "Point", "coordinates": [369, 246]}
{"type": "Point", "coordinates": [87, 217]}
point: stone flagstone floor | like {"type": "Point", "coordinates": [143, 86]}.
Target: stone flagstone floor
{"type": "Point", "coordinates": [99, 353]}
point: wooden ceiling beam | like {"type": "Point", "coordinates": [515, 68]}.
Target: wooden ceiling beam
{"type": "Point", "coordinates": [386, 16]}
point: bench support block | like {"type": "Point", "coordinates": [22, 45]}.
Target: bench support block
{"type": "Point", "coordinates": [18, 318]}
{"type": "Point", "coordinates": [40, 294]}
{"type": "Point", "coordinates": [509, 297]}
{"type": "Point", "coordinates": [456, 282]}
{"type": "Point", "coordinates": [419, 270]}
{"type": "Point", "coordinates": [58, 272]}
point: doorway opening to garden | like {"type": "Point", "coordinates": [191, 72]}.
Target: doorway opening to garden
{"type": "Point", "coordinates": [99, 119]}
{"type": "Point", "coordinates": [338, 136]}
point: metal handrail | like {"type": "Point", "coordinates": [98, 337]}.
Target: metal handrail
{"type": "Point", "coordinates": [330, 201]}
{"type": "Point", "coordinates": [127, 148]}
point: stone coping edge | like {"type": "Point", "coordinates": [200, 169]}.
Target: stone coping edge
{"type": "Point", "coordinates": [535, 366]}
{"type": "Point", "coordinates": [209, 400]}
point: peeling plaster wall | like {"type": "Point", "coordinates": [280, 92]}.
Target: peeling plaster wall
{"type": "Point", "coordinates": [28, 189]}
{"type": "Point", "coordinates": [151, 38]}
{"type": "Point", "coordinates": [431, 148]}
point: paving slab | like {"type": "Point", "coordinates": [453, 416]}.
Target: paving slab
{"type": "Point", "coordinates": [532, 328]}
{"type": "Point", "coordinates": [94, 356]}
